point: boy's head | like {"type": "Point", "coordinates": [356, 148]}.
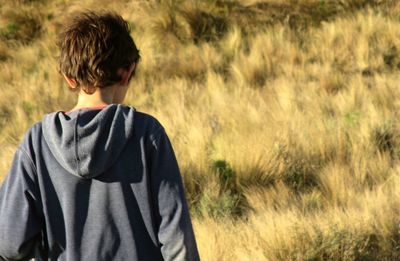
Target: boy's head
{"type": "Point", "coordinates": [94, 47]}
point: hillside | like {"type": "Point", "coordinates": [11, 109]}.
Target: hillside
{"type": "Point", "coordinates": [283, 114]}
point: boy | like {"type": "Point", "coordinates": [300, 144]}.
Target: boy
{"type": "Point", "coordinates": [101, 181]}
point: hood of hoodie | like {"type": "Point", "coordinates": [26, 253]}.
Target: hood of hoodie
{"type": "Point", "coordinates": [88, 142]}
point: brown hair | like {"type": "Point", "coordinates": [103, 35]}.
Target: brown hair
{"type": "Point", "coordinates": [93, 47]}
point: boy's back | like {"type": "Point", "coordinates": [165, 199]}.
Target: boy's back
{"type": "Point", "coordinates": [96, 184]}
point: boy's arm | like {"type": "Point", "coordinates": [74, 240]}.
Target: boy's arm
{"type": "Point", "coordinates": [175, 232]}
{"type": "Point", "coordinates": [19, 223]}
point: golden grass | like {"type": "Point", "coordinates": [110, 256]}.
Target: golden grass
{"type": "Point", "coordinates": [283, 116]}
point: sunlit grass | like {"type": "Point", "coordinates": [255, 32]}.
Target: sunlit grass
{"type": "Point", "coordinates": [283, 115]}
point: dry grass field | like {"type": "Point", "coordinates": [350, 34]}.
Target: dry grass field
{"type": "Point", "coordinates": [284, 115]}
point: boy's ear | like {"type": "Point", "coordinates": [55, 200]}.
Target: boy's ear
{"type": "Point", "coordinates": [71, 82]}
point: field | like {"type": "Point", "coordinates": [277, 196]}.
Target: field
{"type": "Point", "coordinates": [284, 115]}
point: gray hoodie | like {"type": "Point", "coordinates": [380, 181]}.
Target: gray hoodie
{"type": "Point", "coordinates": [96, 184]}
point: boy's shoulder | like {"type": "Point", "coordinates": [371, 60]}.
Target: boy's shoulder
{"type": "Point", "coordinates": [140, 118]}
{"type": "Point", "coordinates": [141, 125]}
{"type": "Point", "coordinates": [142, 122]}
{"type": "Point", "coordinates": [147, 121]}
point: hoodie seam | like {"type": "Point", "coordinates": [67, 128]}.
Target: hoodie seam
{"type": "Point", "coordinates": [76, 141]}
{"type": "Point", "coordinates": [30, 160]}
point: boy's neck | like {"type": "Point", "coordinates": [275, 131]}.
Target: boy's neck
{"type": "Point", "coordinates": [106, 95]}
{"type": "Point", "coordinates": [100, 98]}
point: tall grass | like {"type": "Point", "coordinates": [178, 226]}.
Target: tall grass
{"type": "Point", "coordinates": [283, 115]}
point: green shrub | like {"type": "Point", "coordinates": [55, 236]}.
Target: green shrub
{"type": "Point", "coordinates": [21, 25]}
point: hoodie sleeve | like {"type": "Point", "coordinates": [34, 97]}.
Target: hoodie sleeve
{"type": "Point", "coordinates": [175, 232]}
{"type": "Point", "coordinates": [19, 223]}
